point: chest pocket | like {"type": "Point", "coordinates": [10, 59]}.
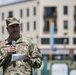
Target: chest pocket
{"type": "Point", "coordinates": [22, 49]}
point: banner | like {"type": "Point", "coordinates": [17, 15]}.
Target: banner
{"type": "Point", "coordinates": [59, 69]}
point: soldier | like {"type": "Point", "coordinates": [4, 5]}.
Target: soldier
{"type": "Point", "coordinates": [23, 45]}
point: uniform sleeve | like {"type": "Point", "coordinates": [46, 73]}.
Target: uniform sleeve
{"type": "Point", "coordinates": [3, 56]}
{"type": "Point", "coordinates": [2, 52]}
{"type": "Point", "coordinates": [36, 56]}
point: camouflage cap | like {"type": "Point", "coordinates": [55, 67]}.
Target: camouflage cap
{"type": "Point", "coordinates": [12, 21]}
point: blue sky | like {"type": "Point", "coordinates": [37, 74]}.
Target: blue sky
{"type": "Point", "coordinates": [7, 1]}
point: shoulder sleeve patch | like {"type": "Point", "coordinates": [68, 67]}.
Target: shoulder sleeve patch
{"type": "Point", "coordinates": [2, 44]}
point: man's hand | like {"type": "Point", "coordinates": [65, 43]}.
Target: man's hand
{"type": "Point", "coordinates": [11, 49]}
{"type": "Point", "coordinates": [28, 59]}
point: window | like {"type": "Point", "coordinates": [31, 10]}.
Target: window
{"type": "Point", "coordinates": [60, 40]}
{"type": "Point", "coordinates": [34, 25]}
{"type": "Point", "coordinates": [74, 40]}
{"type": "Point", "coordinates": [21, 13]}
{"type": "Point", "coordinates": [75, 8]}
{"type": "Point", "coordinates": [75, 28]}
{"type": "Point", "coordinates": [27, 26]}
{"type": "Point", "coordinates": [56, 41]}
{"type": "Point", "coordinates": [2, 16]}
{"type": "Point", "coordinates": [34, 11]}
{"type": "Point", "coordinates": [46, 26]}
{"type": "Point", "coordinates": [49, 11]}
{"type": "Point", "coordinates": [75, 14]}
{"type": "Point", "coordinates": [10, 14]}
{"type": "Point", "coordinates": [65, 24]}
{"type": "Point", "coordinates": [45, 41]}
{"type": "Point", "coordinates": [2, 29]}
{"type": "Point", "coordinates": [75, 20]}
{"type": "Point", "coordinates": [27, 11]}
{"type": "Point", "coordinates": [65, 10]}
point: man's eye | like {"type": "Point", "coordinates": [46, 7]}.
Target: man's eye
{"type": "Point", "coordinates": [14, 26]}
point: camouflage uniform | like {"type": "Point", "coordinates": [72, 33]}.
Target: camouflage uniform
{"type": "Point", "coordinates": [24, 45]}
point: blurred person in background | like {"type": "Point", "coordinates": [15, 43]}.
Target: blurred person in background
{"type": "Point", "coordinates": [22, 45]}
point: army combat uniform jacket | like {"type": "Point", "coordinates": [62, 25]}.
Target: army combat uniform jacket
{"type": "Point", "coordinates": [24, 45]}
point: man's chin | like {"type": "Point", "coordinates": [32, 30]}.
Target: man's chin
{"type": "Point", "coordinates": [15, 36]}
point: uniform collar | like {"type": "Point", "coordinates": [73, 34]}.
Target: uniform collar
{"type": "Point", "coordinates": [9, 41]}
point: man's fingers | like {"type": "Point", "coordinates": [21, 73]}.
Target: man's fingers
{"type": "Point", "coordinates": [11, 49]}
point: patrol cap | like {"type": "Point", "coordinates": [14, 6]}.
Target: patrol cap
{"type": "Point", "coordinates": [12, 21]}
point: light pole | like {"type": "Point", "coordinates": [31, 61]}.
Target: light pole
{"type": "Point", "coordinates": [64, 42]}
{"type": "Point", "coordinates": [37, 37]}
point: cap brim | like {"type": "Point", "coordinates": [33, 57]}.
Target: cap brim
{"type": "Point", "coordinates": [13, 23]}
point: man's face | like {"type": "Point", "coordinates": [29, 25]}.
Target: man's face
{"type": "Point", "coordinates": [14, 31]}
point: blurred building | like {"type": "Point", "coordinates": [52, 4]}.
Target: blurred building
{"type": "Point", "coordinates": [34, 16]}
